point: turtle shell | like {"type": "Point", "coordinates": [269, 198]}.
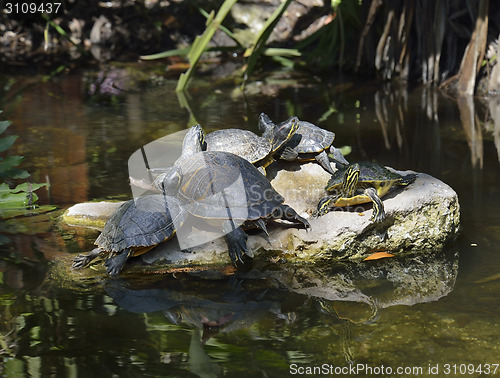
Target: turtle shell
{"type": "Point", "coordinates": [243, 143]}
{"type": "Point", "coordinates": [310, 138]}
{"type": "Point", "coordinates": [140, 224]}
{"type": "Point", "coordinates": [370, 173]}
{"type": "Point", "coordinates": [221, 185]}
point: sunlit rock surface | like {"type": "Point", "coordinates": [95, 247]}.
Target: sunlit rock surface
{"type": "Point", "coordinates": [90, 214]}
{"type": "Point", "coordinates": [423, 216]}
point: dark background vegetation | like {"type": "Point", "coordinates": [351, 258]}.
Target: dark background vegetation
{"type": "Point", "coordinates": [446, 42]}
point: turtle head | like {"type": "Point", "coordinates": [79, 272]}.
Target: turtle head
{"type": "Point", "coordinates": [282, 133]}
{"type": "Point", "coordinates": [168, 182]}
{"type": "Point", "coordinates": [350, 181]}
{"type": "Point", "coordinates": [194, 141]}
{"type": "Point", "coordinates": [265, 123]}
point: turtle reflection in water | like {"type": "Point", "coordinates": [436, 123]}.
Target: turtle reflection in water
{"type": "Point", "coordinates": [361, 183]}
{"type": "Point", "coordinates": [221, 187]}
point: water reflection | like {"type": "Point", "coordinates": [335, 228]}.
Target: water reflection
{"type": "Point", "coordinates": [417, 278]}
{"type": "Point", "coordinates": [394, 114]}
{"type": "Point", "coordinates": [258, 322]}
{"type": "Point", "coordinates": [494, 108]}
{"type": "Point", "coordinates": [472, 129]}
{"type": "Point", "coordinates": [348, 293]}
{"type": "Point", "coordinates": [52, 141]}
{"type": "Point", "coordinates": [222, 305]}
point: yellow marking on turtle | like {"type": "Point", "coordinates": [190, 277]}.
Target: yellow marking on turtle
{"type": "Point", "coordinates": [189, 181]}
{"type": "Point", "coordinates": [345, 200]}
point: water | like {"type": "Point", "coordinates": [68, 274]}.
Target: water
{"type": "Point", "coordinates": [261, 323]}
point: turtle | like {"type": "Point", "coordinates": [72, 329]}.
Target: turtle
{"type": "Point", "coordinates": [223, 188]}
{"type": "Point", "coordinates": [136, 227]}
{"type": "Point", "coordinates": [308, 143]}
{"type": "Point", "coordinates": [258, 150]}
{"type": "Point", "coordinates": [361, 183]}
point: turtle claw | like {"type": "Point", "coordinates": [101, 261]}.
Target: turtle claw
{"type": "Point", "coordinates": [289, 154]}
{"type": "Point", "coordinates": [236, 244]}
{"type": "Point", "coordinates": [259, 223]}
{"type": "Point", "coordinates": [378, 214]}
{"type": "Point", "coordinates": [291, 215]}
{"type": "Point", "coordinates": [115, 264]}
{"type": "Point", "coordinates": [378, 206]}
{"type": "Point", "coordinates": [262, 225]}
{"type": "Point", "coordinates": [82, 260]}
{"type": "Point", "coordinates": [324, 161]}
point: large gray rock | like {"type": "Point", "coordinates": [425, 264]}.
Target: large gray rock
{"type": "Point", "coordinates": [422, 216]}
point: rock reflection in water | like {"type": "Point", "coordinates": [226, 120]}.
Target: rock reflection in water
{"type": "Point", "coordinates": [417, 278]}
{"type": "Point", "coordinates": [350, 293]}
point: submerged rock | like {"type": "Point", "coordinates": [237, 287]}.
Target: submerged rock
{"type": "Point", "coordinates": [423, 216]}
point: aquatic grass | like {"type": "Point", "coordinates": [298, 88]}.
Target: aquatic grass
{"type": "Point", "coordinates": [200, 43]}
{"type": "Point", "coordinates": [253, 52]}
{"type": "Point", "coordinates": [257, 48]}
{"type": "Point", "coordinates": [51, 24]}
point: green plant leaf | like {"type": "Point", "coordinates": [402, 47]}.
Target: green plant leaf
{"type": "Point", "coordinates": [328, 113]}
{"type": "Point", "coordinates": [285, 62]}
{"type": "Point", "coordinates": [16, 173]}
{"type": "Point", "coordinates": [27, 187]}
{"type": "Point", "coordinates": [15, 200]}
{"type": "Point", "coordinates": [200, 43]}
{"type": "Point", "coordinates": [257, 47]}
{"type": "Point", "coordinates": [166, 54]}
{"type": "Point", "coordinates": [7, 142]}
{"type": "Point", "coordinates": [10, 162]}
{"type": "Point", "coordinates": [4, 125]}
{"type": "Point", "coordinates": [273, 51]}
{"type": "Point", "coordinates": [221, 27]}
{"type": "Point", "coordinates": [32, 224]}
{"type": "Point", "coordinates": [4, 188]}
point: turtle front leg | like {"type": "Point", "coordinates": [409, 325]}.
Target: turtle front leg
{"type": "Point", "coordinates": [81, 261]}
{"type": "Point", "coordinates": [325, 205]}
{"type": "Point", "coordinates": [288, 154]}
{"type": "Point", "coordinates": [324, 161]}
{"type": "Point", "coordinates": [378, 206]}
{"type": "Point", "coordinates": [236, 240]}
{"type": "Point", "coordinates": [262, 170]}
{"type": "Point", "coordinates": [115, 264]}
{"type": "Point", "coordinates": [289, 214]}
